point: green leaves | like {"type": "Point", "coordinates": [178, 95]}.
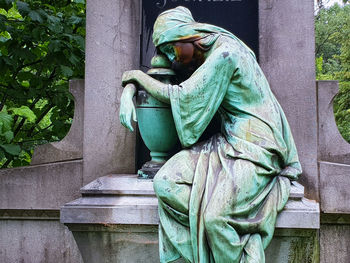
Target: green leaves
{"type": "Point", "coordinates": [332, 28]}
{"type": "Point", "coordinates": [11, 149]}
{"type": "Point", "coordinates": [342, 110]}
{"type": "Point", "coordinates": [6, 121]}
{"type": "Point", "coordinates": [6, 4]}
{"type": "Point", "coordinates": [24, 112]}
{"type": "Point", "coordinates": [41, 47]}
{"type": "Point", "coordinates": [23, 8]}
{"type": "Point", "coordinates": [6, 136]}
{"type": "Point", "coordinates": [66, 71]}
{"type": "Point", "coordinates": [35, 16]}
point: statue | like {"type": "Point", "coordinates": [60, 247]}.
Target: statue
{"type": "Point", "coordinates": [219, 198]}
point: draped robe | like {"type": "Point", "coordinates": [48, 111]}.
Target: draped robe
{"type": "Point", "coordinates": [219, 199]}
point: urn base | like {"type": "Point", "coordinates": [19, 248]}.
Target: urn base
{"type": "Point", "coordinates": [149, 170]}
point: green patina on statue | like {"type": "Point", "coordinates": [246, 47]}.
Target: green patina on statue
{"type": "Point", "coordinates": [218, 199]}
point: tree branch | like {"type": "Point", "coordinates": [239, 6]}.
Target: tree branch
{"type": "Point", "coordinates": [31, 64]}
{"type": "Point", "coordinates": [42, 115]}
{"type": "Point", "coordinates": [20, 125]}
{"type": "Point", "coordinates": [42, 130]}
{"type": "Point", "coordinates": [3, 101]}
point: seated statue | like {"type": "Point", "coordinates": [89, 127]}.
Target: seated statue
{"type": "Point", "coordinates": [218, 198]}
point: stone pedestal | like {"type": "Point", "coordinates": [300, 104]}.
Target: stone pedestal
{"type": "Point", "coordinates": [116, 220]}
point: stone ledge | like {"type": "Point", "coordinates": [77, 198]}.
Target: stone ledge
{"type": "Point", "coordinates": [41, 187]}
{"type": "Point", "coordinates": [335, 219]}
{"type": "Point", "coordinates": [29, 214]}
{"type": "Point", "coordinates": [129, 184]}
{"type": "Point", "coordinates": [125, 199]}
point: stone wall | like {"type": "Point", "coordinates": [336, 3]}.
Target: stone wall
{"type": "Point", "coordinates": [287, 48]}
{"type": "Point", "coordinates": [135, 243]}
{"type": "Point", "coordinates": [30, 197]}
{"type": "Point", "coordinates": [112, 46]}
{"type": "Point", "coordinates": [36, 240]}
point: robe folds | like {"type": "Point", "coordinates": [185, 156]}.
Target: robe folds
{"type": "Point", "coordinates": [219, 199]}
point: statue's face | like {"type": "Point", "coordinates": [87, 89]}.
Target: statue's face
{"type": "Point", "coordinates": [168, 50]}
{"type": "Point", "coordinates": [184, 57]}
{"type": "Point", "coordinates": [178, 51]}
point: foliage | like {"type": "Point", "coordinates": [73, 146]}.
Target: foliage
{"type": "Point", "coordinates": [342, 110]}
{"type": "Point", "coordinates": [332, 27]}
{"type": "Point", "coordinates": [41, 47]}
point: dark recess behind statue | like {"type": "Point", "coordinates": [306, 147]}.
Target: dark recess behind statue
{"type": "Point", "coordinates": [238, 17]}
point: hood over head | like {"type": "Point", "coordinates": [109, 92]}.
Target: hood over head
{"type": "Point", "coordinates": [177, 24]}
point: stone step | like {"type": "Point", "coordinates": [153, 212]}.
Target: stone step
{"type": "Point", "coordinates": [129, 184]}
{"type": "Point", "coordinates": [125, 199]}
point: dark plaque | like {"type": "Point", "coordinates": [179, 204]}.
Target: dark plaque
{"type": "Point", "coordinates": [237, 16]}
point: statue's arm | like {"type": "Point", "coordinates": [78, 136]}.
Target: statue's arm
{"type": "Point", "coordinates": [127, 109]}
{"type": "Point", "coordinates": [156, 88]}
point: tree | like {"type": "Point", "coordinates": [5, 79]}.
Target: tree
{"type": "Point", "coordinates": [332, 27]}
{"type": "Point", "coordinates": [41, 47]}
{"type": "Point", "coordinates": [320, 4]}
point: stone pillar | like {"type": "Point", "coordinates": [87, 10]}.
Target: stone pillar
{"type": "Point", "coordinates": [286, 35]}
{"type": "Point", "coordinates": [112, 46]}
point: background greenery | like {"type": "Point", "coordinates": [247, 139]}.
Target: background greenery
{"type": "Point", "coordinates": [332, 28]}
{"type": "Point", "coordinates": [41, 47]}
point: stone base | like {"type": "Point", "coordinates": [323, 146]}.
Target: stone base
{"type": "Point", "coordinates": [139, 244]}
{"type": "Point", "coordinates": [116, 220]}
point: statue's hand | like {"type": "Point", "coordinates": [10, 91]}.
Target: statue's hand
{"type": "Point", "coordinates": [129, 76]}
{"type": "Point", "coordinates": [127, 109]}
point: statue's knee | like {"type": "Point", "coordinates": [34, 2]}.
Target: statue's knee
{"type": "Point", "coordinates": [161, 184]}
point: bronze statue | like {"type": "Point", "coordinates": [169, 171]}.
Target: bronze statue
{"type": "Point", "coordinates": [219, 198]}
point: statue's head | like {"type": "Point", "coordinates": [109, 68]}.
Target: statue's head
{"type": "Point", "coordinates": [173, 25]}
{"type": "Point", "coordinates": [181, 39]}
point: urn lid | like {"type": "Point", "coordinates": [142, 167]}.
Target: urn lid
{"type": "Point", "coordinates": [160, 66]}
{"type": "Point", "coordinates": [160, 61]}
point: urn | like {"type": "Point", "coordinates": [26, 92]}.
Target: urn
{"type": "Point", "coordinates": [155, 120]}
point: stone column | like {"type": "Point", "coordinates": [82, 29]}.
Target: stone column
{"type": "Point", "coordinates": [112, 46]}
{"type": "Point", "coordinates": [287, 48]}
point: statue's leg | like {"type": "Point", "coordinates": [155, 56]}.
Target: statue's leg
{"type": "Point", "coordinates": [172, 185]}
{"type": "Point", "coordinates": [253, 250]}
{"type": "Point", "coordinates": [229, 205]}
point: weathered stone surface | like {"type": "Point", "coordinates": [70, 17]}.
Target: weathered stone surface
{"type": "Point", "coordinates": [334, 185]}
{"type": "Point", "coordinates": [122, 244]}
{"type": "Point", "coordinates": [138, 244]}
{"type": "Point", "coordinates": [293, 246]}
{"type": "Point", "coordinates": [126, 184]}
{"type": "Point", "coordinates": [335, 243]}
{"type": "Point", "coordinates": [287, 59]}
{"type": "Point", "coordinates": [45, 186]}
{"type": "Point", "coordinates": [302, 213]}
{"type": "Point", "coordinates": [112, 47]}
{"type": "Point", "coordinates": [331, 145]}
{"type": "Point", "coordinates": [125, 199]}
{"type": "Point", "coordinates": [71, 147]}
{"type": "Point", "coordinates": [32, 241]}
